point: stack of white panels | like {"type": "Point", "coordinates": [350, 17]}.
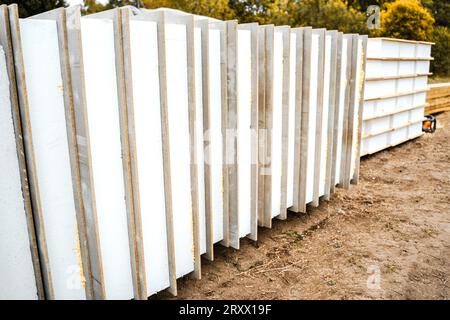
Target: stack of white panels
{"type": "Point", "coordinates": [395, 95]}
{"type": "Point", "coordinates": [151, 135]}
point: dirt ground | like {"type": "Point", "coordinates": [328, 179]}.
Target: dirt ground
{"type": "Point", "coordinates": [386, 238]}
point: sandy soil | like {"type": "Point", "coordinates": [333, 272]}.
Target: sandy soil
{"type": "Point", "coordinates": [386, 238]}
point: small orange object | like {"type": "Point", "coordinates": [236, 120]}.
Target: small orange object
{"type": "Point", "coordinates": [429, 124]}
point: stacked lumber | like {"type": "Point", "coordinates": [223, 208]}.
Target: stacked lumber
{"type": "Point", "coordinates": [135, 141]}
{"type": "Point", "coordinates": [438, 98]}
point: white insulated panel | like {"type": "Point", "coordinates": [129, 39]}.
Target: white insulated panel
{"type": "Point", "coordinates": [244, 108]}
{"type": "Point", "coordinates": [393, 120]}
{"type": "Point", "coordinates": [313, 87]}
{"type": "Point", "coordinates": [325, 112]}
{"type": "Point", "coordinates": [17, 279]}
{"type": "Point", "coordinates": [147, 117]}
{"type": "Point", "coordinates": [48, 124]}
{"type": "Point", "coordinates": [277, 122]}
{"type": "Point", "coordinates": [291, 133]}
{"type": "Point", "coordinates": [422, 67]}
{"type": "Point", "coordinates": [177, 99]}
{"type": "Point", "coordinates": [106, 151]}
{"type": "Point", "coordinates": [343, 78]}
{"type": "Point", "coordinates": [200, 136]}
{"type": "Point", "coordinates": [215, 144]}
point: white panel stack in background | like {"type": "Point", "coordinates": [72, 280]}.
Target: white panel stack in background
{"type": "Point", "coordinates": [395, 94]}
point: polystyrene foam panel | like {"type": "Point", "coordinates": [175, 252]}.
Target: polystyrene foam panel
{"type": "Point", "coordinates": [405, 67]}
{"type": "Point", "coordinates": [415, 130]}
{"type": "Point", "coordinates": [405, 85]}
{"type": "Point", "coordinates": [423, 50]}
{"type": "Point", "coordinates": [377, 69]}
{"type": "Point", "coordinates": [147, 116]}
{"type": "Point", "coordinates": [374, 48]}
{"type": "Point", "coordinates": [244, 105]}
{"type": "Point", "coordinates": [416, 114]}
{"type": "Point", "coordinates": [401, 103]}
{"type": "Point", "coordinates": [215, 111]}
{"type": "Point", "coordinates": [277, 122]}
{"type": "Point", "coordinates": [400, 119]}
{"type": "Point", "coordinates": [422, 67]}
{"type": "Point", "coordinates": [375, 143]}
{"type": "Point", "coordinates": [177, 98]}
{"type": "Point", "coordinates": [200, 135]}
{"type": "Point", "coordinates": [419, 98]}
{"type": "Point", "coordinates": [106, 152]}
{"type": "Point", "coordinates": [398, 135]}
{"type": "Point", "coordinates": [376, 125]}
{"type": "Point", "coordinates": [16, 266]}
{"type": "Point", "coordinates": [380, 88]}
{"type": "Point", "coordinates": [291, 143]}
{"type": "Point", "coordinates": [325, 111]}
{"type": "Point", "coordinates": [394, 108]}
{"type": "Point", "coordinates": [48, 124]}
{"type": "Point", "coordinates": [420, 83]}
{"type": "Point", "coordinates": [312, 117]}
{"type": "Point", "coordinates": [342, 77]}
{"type": "Point", "coordinates": [406, 50]}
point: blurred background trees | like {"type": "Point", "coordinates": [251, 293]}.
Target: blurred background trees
{"type": "Point", "coordinates": [426, 20]}
{"type": "Point", "coordinates": [406, 19]}
{"type": "Point", "coordinates": [31, 7]}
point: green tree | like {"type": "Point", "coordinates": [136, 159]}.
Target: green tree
{"type": "Point", "coordinates": [218, 9]}
{"type": "Point", "coordinates": [330, 14]}
{"type": "Point", "coordinates": [440, 51]}
{"type": "Point", "coordinates": [361, 5]}
{"type": "Point", "coordinates": [121, 3]}
{"type": "Point", "coordinates": [406, 19]}
{"type": "Point", "coordinates": [29, 8]}
{"type": "Point", "coordinates": [92, 6]}
{"type": "Point", "coordinates": [441, 11]}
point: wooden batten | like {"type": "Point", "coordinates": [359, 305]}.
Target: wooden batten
{"type": "Point", "coordinates": [332, 119]}
{"type": "Point", "coordinates": [262, 132]}
{"type": "Point", "coordinates": [345, 161]}
{"type": "Point", "coordinates": [361, 87]}
{"type": "Point", "coordinates": [334, 155]}
{"type": "Point", "coordinates": [298, 116]}
{"type": "Point", "coordinates": [305, 107]}
{"type": "Point", "coordinates": [231, 158]}
{"type": "Point", "coordinates": [268, 107]}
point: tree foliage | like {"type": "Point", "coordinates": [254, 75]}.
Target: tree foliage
{"type": "Point", "coordinates": [406, 19]}
{"type": "Point", "coordinates": [440, 51]}
{"type": "Point", "coordinates": [441, 11]}
{"type": "Point", "coordinates": [32, 7]}
{"type": "Point", "coordinates": [218, 9]}
{"type": "Point", "coordinates": [330, 14]}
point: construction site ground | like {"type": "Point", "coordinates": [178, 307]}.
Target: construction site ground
{"type": "Point", "coordinates": [388, 237]}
